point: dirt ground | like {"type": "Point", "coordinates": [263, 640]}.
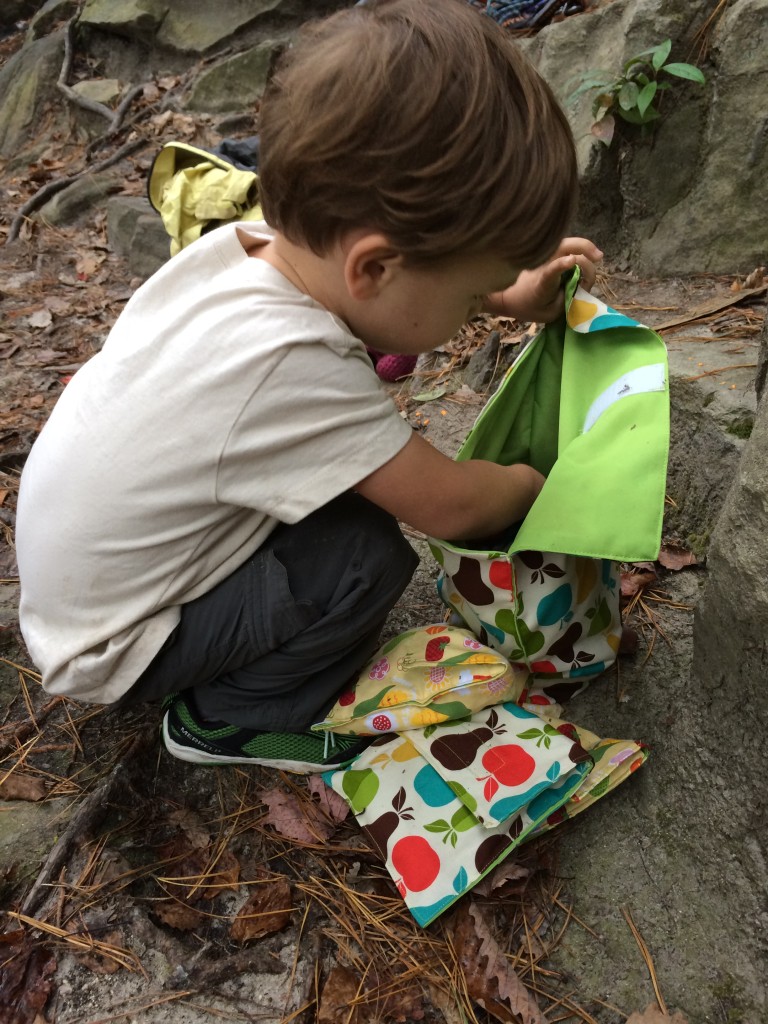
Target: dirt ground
{"type": "Point", "coordinates": [135, 887]}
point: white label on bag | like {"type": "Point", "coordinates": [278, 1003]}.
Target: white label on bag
{"type": "Point", "coordinates": [636, 382]}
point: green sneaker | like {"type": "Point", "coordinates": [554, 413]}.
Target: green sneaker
{"type": "Point", "coordinates": [191, 739]}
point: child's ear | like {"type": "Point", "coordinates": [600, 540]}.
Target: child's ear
{"type": "Point", "coordinates": [370, 263]}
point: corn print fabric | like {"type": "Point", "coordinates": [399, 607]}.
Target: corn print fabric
{"type": "Point", "coordinates": [425, 676]}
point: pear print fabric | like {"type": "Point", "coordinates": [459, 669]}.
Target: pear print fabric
{"type": "Point", "coordinates": [500, 760]}
{"type": "Point", "coordinates": [434, 826]}
{"type": "Point", "coordinates": [586, 404]}
{"type": "Point", "coordinates": [425, 828]}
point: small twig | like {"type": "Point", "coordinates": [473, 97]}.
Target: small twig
{"type": "Point", "coordinates": [88, 815]}
{"type": "Point", "coordinates": [647, 957]}
{"type": "Point", "coordinates": [44, 193]}
{"type": "Point", "coordinates": [723, 369]}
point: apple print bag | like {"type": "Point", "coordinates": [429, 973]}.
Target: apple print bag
{"type": "Point", "coordinates": [587, 404]}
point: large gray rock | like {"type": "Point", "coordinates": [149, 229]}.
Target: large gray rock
{"type": "Point", "coordinates": [682, 199]}
{"type": "Point", "coordinates": [27, 82]}
{"type": "Point", "coordinates": [189, 26]}
{"type": "Point", "coordinates": [235, 83]}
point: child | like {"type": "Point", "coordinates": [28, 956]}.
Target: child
{"type": "Point", "coordinates": [209, 515]}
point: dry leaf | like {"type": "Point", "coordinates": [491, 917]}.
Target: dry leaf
{"type": "Point", "coordinates": [337, 998]}
{"type": "Point", "coordinates": [675, 556]}
{"type": "Point", "coordinates": [221, 875]}
{"type": "Point", "coordinates": [3, 495]}
{"type": "Point", "coordinates": [266, 911]}
{"type": "Point", "coordinates": [328, 800]}
{"type": "Point", "coordinates": [634, 581]}
{"type": "Point", "coordinates": [177, 914]}
{"type": "Point", "coordinates": [490, 979]}
{"type": "Point", "coordinates": [26, 979]}
{"type": "Point", "coordinates": [192, 826]}
{"type": "Point", "coordinates": [89, 263]}
{"type": "Point", "coordinates": [41, 318]}
{"type": "Point", "coordinates": [94, 961]}
{"type": "Point", "coordinates": [508, 876]}
{"type": "Point", "coordinates": [756, 278]}
{"type": "Point", "coordinates": [653, 1015]}
{"type": "Point", "coordinates": [295, 819]}
{"type": "Point", "coordinates": [22, 787]}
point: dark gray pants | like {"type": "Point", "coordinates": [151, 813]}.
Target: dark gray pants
{"type": "Point", "coordinates": [272, 645]}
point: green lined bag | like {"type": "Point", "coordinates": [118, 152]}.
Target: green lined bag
{"type": "Point", "coordinates": [586, 404]}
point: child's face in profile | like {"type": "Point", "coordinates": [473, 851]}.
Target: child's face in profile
{"type": "Point", "coordinates": [423, 307]}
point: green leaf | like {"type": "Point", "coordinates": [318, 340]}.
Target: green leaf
{"type": "Point", "coordinates": [529, 734]}
{"type": "Point", "coordinates": [628, 95]}
{"type": "Point", "coordinates": [635, 117]}
{"type": "Point", "coordinates": [661, 53]}
{"type": "Point", "coordinates": [646, 96]}
{"type": "Point", "coordinates": [441, 825]}
{"type": "Point", "coordinates": [688, 71]}
{"type": "Point", "coordinates": [430, 396]}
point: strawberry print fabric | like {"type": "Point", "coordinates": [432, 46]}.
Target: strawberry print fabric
{"type": "Point", "coordinates": [425, 676]}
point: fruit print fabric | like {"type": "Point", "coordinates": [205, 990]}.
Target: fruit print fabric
{"type": "Point", "coordinates": [587, 404]}
{"type": "Point", "coordinates": [500, 759]}
{"type": "Point", "coordinates": [425, 676]}
{"type": "Point", "coordinates": [555, 615]}
{"type": "Point", "coordinates": [434, 847]}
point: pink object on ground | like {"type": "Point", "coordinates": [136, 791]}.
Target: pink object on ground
{"type": "Point", "coordinates": [392, 367]}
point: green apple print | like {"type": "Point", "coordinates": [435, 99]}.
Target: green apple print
{"type": "Point", "coordinates": [600, 616]}
{"type": "Point", "coordinates": [360, 787]}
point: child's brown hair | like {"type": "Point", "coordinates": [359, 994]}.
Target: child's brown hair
{"type": "Point", "coordinates": [422, 120]}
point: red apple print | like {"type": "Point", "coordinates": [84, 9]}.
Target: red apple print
{"type": "Point", "coordinates": [382, 723]}
{"type": "Point", "coordinates": [509, 764]}
{"type": "Point", "coordinates": [568, 730]}
{"type": "Point", "coordinates": [539, 698]}
{"type": "Point", "coordinates": [436, 647]}
{"type": "Point", "coordinates": [500, 575]}
{"type": "Point", "coordinates": [543, 666]}
{"type": "Point", "coordinates": [346, 699]}
{"type": "Point", "coordinates": [415, 860]}
{"type": "Point", "coordinates": [401, 888]}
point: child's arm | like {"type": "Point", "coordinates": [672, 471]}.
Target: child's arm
{"type": "Point", "coordinates": [537, 295]}
{"type": "Point", "coordinates": [453, 500]}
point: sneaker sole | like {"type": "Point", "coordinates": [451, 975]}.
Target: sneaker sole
{"type": "Point", "coordinates": [193, 756]}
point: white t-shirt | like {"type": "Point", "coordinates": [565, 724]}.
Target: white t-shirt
{"type": "Point", "coordinates": [224, 401]}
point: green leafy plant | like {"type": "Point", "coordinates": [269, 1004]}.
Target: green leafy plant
{"type": "Point", "coordinates": [634, 93]}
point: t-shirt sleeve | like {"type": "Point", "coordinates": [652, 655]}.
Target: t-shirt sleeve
{"type": "Point", "coordinates": [316, 426]}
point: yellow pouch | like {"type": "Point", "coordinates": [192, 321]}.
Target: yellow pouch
{"type": "Point", "coordinates": [428, 675]}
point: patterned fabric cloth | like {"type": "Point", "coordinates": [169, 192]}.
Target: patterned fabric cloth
{"type": "Point", "coordinates": [422, 677]}
{"type": "Point", "coordinates": [445, 804]}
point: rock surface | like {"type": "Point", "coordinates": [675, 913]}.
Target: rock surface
{"type": "Point", "coordinates": [683, 844]}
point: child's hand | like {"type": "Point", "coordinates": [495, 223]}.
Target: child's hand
{"type": "Point", "coordinates": [537, 295]}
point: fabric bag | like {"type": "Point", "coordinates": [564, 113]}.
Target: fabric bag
{"type": "Point", "coordinates": [586, 404]}
{"type": "Point", "coordinates": [424, 676]}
